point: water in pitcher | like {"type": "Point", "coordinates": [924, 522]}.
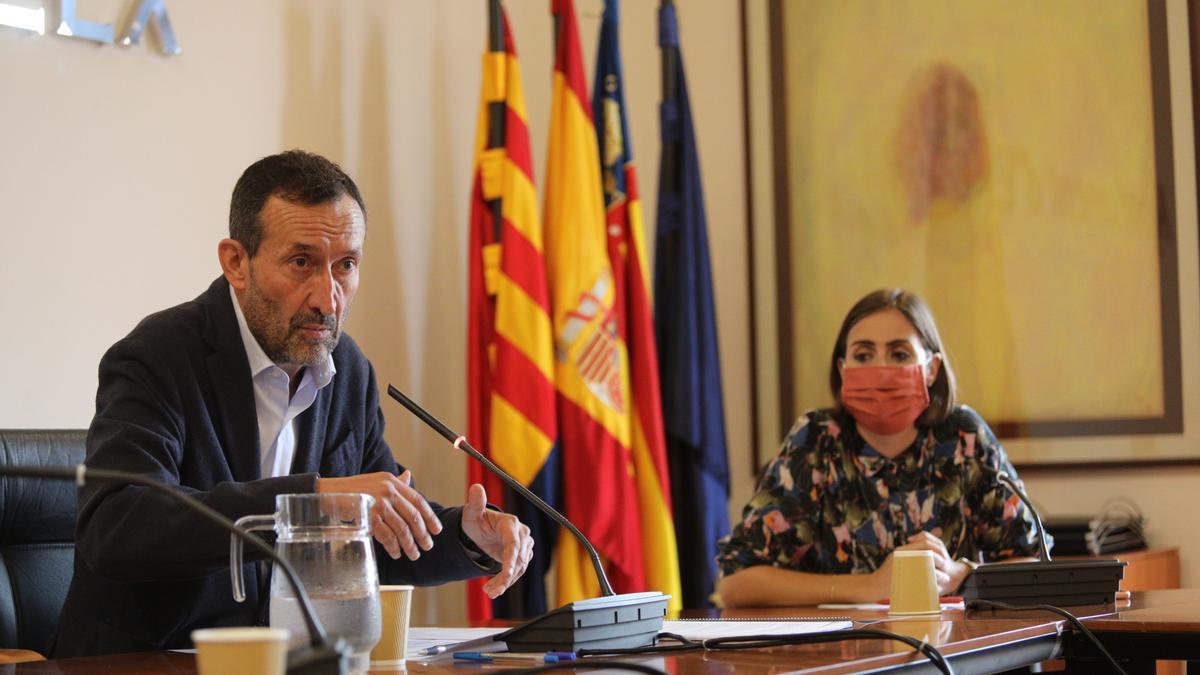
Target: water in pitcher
{"type": "Point", "coordinates": [355, 619]}
{"type": "Point", "coordinates": [341, 585]}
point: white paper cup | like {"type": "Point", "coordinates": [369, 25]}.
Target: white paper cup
{"type": "Point", "coordinates": [241, 651]}
{"type": "Point", "coordinates": [394, 605]}
{"type": "Point", "coordinates": [914, 586]}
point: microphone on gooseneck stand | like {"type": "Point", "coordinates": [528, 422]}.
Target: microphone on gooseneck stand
{"type": "Point", "coordinates": [1045, 582]}
{"type": "Point", "coordinates": [1011, 484]}
{"type": "Point", "coordinates": [322, 655]}
{"type": "Point", "coordinates": [613, 621]}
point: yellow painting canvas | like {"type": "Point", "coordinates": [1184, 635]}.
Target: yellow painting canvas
{"type": "Point", "coordinates": [997, 157]}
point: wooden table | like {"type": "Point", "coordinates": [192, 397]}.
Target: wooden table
{"type": "Point", "coordinates": [974, 646]}
{"type": "Point", "coordinates": [1157, 625]}
{"type": "Point", "coordinates": [975, 642]}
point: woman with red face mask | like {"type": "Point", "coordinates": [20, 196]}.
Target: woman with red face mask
{"type": "Point", "coordinates": [894, 465]}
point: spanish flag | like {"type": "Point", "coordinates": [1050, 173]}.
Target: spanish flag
{"type": "Point", "coordinates": [591, 363]}
{"type": "Point", "coordinates": [627, 255]}
{"type": "Point", "coordinates": [510, 359]}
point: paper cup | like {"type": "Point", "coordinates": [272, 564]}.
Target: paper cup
{"type": "Point", "coordinates": [914, 586]}
{"type": "Point", "coordinates": [394, 604]}
{"type": "Point", "coordinates": [241, 651]}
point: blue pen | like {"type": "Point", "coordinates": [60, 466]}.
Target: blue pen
{"type": "Point", "coordinates": [473, 656]}
{"type": "Point", "coordinates": [503, 657]}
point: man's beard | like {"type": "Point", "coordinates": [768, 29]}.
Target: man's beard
{"type": "Point", "coordinates": [280, 337]}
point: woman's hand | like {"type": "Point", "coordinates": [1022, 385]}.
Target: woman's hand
{"type": "Point", "coordinates": [948, 572]}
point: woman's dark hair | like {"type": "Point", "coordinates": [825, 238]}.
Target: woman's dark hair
{"type": "Point", "coordinates": [942, 392]}
{"type": "Point", "coordinates": [295, 176]}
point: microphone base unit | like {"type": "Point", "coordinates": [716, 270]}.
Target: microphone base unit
{"type": "Point", "coordinates": [623, 621]}
{"type": "Point", "coordinates": [1063, 583]}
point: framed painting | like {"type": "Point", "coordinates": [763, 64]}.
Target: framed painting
{"type": "Point", "coordinates": [1011, 161]}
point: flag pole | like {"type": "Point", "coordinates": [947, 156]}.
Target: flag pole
{"type": "Point", "coordinates": [556, 20]}
{"type": "Point", "coordinates": [496, 109]}
{"type": "Point", "coordinates": [670, 63]}
{"type": "Point", "coordinates": [669, 172]}
{"type": "Point", "coordinates": [495, 30]}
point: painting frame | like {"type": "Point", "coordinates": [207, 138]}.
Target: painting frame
{"type": "Point", "coordinates": [1171, 419]}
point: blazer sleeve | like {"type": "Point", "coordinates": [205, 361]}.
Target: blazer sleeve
{"type": "Point", "coordinates": [131, 533]}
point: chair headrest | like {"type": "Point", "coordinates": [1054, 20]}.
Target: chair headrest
{"type": "Point", "coordinates": [33, 511]}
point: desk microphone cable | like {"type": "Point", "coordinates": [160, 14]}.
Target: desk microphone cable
{"type": "Point", "coordinates": [1075, 622]}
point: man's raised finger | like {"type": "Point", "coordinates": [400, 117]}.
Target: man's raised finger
{"type": "Point", "coordinates": [525, 557]}
{"type": "Point", "coordinates": [399, 526]}
{"type": "Point", "coordinates": [431, 522]}
{"type": "Point", "coordinates": [400, 500]}
{"type": "Point", "coordinates": [508, 569]}
{"type": "Point", "coordinates": [383, 534]}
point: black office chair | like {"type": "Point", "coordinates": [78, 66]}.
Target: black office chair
{"type": "Point", "coordinates": [37, 537]}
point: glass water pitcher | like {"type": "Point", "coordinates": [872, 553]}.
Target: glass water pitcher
{"type": "Point", "coordinates": [327, 540]}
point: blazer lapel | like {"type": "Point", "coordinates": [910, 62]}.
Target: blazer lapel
{"type": "Point", "coordinates": [229, 370]}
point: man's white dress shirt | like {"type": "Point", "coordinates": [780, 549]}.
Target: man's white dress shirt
{"type": "Point", "coordinates": [277, 411]}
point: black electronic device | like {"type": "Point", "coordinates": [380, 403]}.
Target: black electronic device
{"type": "Point", "coordinates": [1059, 583]}
{"type": "Point", "coordinates": [321, 656]}
{"type": "Point", "coordinates": [1119, 526]}
{"type": "Point", "coordinates": [612, 621]}
{"type": "Point", "coordinates": [1045, 582]}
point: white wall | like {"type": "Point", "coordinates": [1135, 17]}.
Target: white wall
{"type": "Point", "coordinates": [117, 165]}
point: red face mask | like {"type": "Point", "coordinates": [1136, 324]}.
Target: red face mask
{"type": "Point", "coordinates": [885, 399]}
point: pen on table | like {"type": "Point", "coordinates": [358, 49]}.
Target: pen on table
{"type": "Point", "coordinates": [435, 650]}
{"type": "Point", "coordinates": [557, 656]}
{"type": "Point", "coordinates": [514, 657]}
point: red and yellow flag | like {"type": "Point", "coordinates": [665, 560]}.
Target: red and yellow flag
{"type": "Point", "coordinates": [627, 255]}
{"type": "Point", "coordinates": [590, 358]}
{"type": "Point", "coordinates": [510, 361]}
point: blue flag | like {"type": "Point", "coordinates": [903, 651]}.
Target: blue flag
{"type": "Point", "coordinates": [685, 323]}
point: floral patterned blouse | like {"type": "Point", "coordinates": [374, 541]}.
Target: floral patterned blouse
{"type": "Point", "coordinates": [829, 503]}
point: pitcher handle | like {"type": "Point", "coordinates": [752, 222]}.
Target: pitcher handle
{"type": "Point", "coordinates": [249, 524]}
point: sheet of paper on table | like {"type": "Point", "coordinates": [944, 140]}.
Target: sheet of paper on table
{"type": "Point", "coordinates": [704, 630]}
{"type": "Point", "coordinates": [455, 639]}
{"type": "Point", "coordinates": [881, 606]}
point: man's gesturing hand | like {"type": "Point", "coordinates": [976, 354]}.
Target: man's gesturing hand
{"type": "Point", "coordinates": [401, 519]}
{"type": "Point", "coordinates": [501, 536]}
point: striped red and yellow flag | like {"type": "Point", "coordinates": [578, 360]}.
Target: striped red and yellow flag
{"type": "Point", "coordinates": [591, 362]}
{"type": "Point", "coordinates": [511, 395]}
{"type": "Point", "coordinates": [627, 255]}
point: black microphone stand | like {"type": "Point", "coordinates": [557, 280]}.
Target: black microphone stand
{"type": "Point", "coordinates": [322, 655]}
{"type": "Point", "coordinates": [1011, 484]}
{"type": "Point", "coordinates": [1045, 582]}
{"type": "Point", "coordinates": [613, 621]}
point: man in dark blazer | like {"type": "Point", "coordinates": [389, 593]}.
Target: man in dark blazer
{"type": "Point", "coordinates": [185, 398]}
